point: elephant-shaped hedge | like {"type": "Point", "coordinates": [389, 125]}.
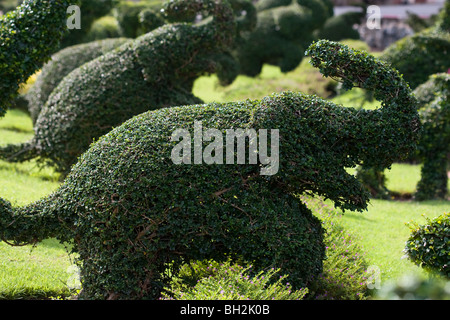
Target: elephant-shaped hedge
{"type": "Point", "coordinates": [153, 71]}
{"type": "Point", "coordinates": [133, 212]}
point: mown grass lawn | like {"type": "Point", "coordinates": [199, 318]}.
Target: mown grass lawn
{"type": "Point", "coordinates": [42, 271]}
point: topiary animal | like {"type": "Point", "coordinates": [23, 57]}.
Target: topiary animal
{"type": "Point", "coordinates": [154, 71]}
{"type": "Point", "coordinates": [434, 145]}
{"type": "Point", "coordinates": [422, 54]}
{"type": "Point", "coordinates": [60, 65]}
{"type": "Point", "coordinates": [131, 212]}
{"type": "Point", "coordinates": [283, 31]}
{"type": "Point", "coordinates": [27, 41]}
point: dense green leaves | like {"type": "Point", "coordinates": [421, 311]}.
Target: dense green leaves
{"type": "Point", "coordinates": [434, 146]}
{"type": "Point", "coordinates": [61, 64]}
{"type": "Point", "coordinates": [28, 36]}
{"type": "Point", "coordinates": [153, 71]}
{"type": "Point", "coordinates": [283, 31]}
{"type": "Point", "coordinates": [429, 244]}
{"type": "Point", "coordinates": [131, 213]}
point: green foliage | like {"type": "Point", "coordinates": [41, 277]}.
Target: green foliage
{"type": "Point", "coordinates": [134, 217]}
{"type": "Point", "coordinates": [434, 146]}
{"type": "Point", "coordinates": [283, 31]}
{"type": "Point", "coordinates": [345, 268]}
{"type": "Point", "coordinates": [420, 55]}
{"type": "Point", "coordinates": [61, 64]}
{"type": "Point", "coordinates": [138, 18]}
{"type": "Point", "coordinates": [429, 245]}
{"type": "Point", "coordinates": [90, 11]}
{"type": "Point", "coordinates": [28, 36]}
{"type": "Point", "coordinates": [103, 28]}
{"type": "Point", "coordinates": [374, 180]}
{"type": "Point", "coordinates": [341, 27]}
{"type": "Point", "coordinates": [226, 281]}
{"type": "Point", "coordinates": [156, 70]}
{"type": "Point", "coordinates": [410, 287]}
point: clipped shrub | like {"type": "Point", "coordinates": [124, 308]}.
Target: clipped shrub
{"type": "Point", "coordinates": [24, 52]}
{"type": "Point", "coordinates": [137, 18]}
{"type": "Point", "coordinates": [434, 146]}
{"type": "Point", "coordinates": [154, 71]}
{"type": "Point", "coordinates": [133, 216]}
{"type": "Point", "coordinates": [61, 64]}
{"type": "Point", "coordinates": [429, 245]}
{"type": "Point", "coordinates": [227, 281]}
{"type": "Point", "coordinates": [425, 53]}
{"type": "Point", "coordinates": [411, 287]}
{"type": "Point", "coordinates": [340, 27]}
{"type": "Point", "coordinates": [345, 269]}
{"type": "Point", "coordinates": [103, 28]}
{"type": "Point", "coordinates": [283, 31]}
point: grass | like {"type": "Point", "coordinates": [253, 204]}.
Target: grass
{"type": "Point", "coordinates": [41, 271]}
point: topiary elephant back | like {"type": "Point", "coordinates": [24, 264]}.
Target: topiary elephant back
{"type": "Point", "coordinates": [60, 65]}
{"type": "Point", "coordinates": [143, 199]}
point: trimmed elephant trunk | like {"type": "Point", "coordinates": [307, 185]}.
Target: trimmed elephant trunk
{"type": "Point", "coordinates": [28, 225]}
{"type": "Point", "coordinates": [396, 123]}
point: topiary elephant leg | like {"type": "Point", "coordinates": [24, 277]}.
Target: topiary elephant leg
{"type": "Point", "coordinates": [433, 182]}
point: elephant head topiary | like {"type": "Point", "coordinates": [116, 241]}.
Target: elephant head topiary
{"type": "Point", "coordinates": [155, 70]}
{"type": "Point", "coordinates": [132, 210]}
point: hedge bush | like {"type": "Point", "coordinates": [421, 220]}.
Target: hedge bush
{"type": "Point", "coordinates": [227, 281]}
{"type": "Point", "coordinates": [104, 28]}
{"type": "Point", "coordinates": [130, 213]}
{"type": "Point", "coordinates": [61, 64]}
{"type": "Point", "coordinates": [429, 245]}
{"type": "Point", "coordinates": [340, 27]}
{"type": "Point", "coordinates": [283, 31]}
{"type": "Point", "coordinates": [154, 71]}
{"type": "Point", "coordinates": [425, 53]}
{"type": "Point", "coordinates": [27, 40]}
{"type": "Point", "coordinates": [434, 146]}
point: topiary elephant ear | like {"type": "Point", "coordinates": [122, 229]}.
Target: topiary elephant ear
{"type": "Point", "coordinates": [29, 35]}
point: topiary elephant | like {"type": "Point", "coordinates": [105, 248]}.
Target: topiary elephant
{"type": "Point", "coordinates": [27, 41]}
{"type": "Point", "coordinates": [283, 31]}
{"type": "Point", "coordinates": [434, 145]}
{"type": "Point", "coordinates": [61, 64]}
{"type": "Point", "coordinates": [156, 70]}
{"type": "Point", "coordinates": [136, 205]}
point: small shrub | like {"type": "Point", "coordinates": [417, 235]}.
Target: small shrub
{"type": "Point", "coordinates": [103, 28]}
{"type": "Point", "coordinates": [227, 281]}
{"type": "Point", "coordinates": [411, 287]}
{"type": "Point", "coordinates": [429, 245]}
{"type": "Point", "coordinates": [344, 275]}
